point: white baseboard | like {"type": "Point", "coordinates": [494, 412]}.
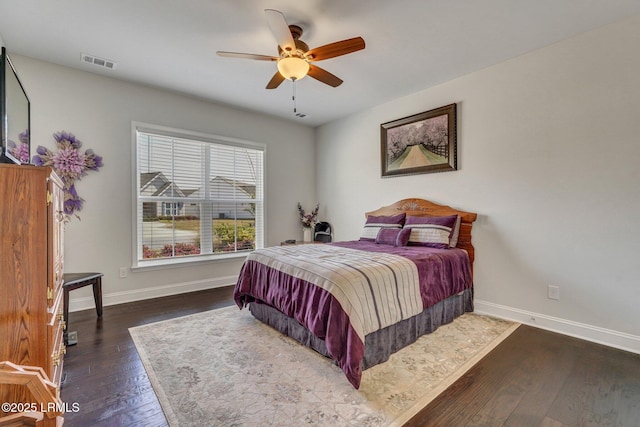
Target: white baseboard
{"type": "Point", "coordinates": [608, 337]}
{"type": "Point", "coordinates": [85, 303]}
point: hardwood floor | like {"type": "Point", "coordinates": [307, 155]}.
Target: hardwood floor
{"type": "Point", "coordinates": [534, 378]}
{"type": "Point", "coordinates": [540, 378]}
{"type": "Point", "coordinates": [103, 373]}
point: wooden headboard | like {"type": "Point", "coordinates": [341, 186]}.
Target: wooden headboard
{"type": "Point", "coordinates": [421, 207]}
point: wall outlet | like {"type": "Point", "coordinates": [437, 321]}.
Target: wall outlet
{"type": "Point", "coordinates": [553, 292]}
{"type": "Point", "coordinates": [123, 272]}
{"type": "Point", "coordinates": [72, 338]}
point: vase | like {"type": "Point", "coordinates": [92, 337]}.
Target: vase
{"type": "Point", "coordinates": [306, 234]}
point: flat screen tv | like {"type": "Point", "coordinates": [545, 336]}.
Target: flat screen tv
{"type": "Point", "coordinates": [15, 113]}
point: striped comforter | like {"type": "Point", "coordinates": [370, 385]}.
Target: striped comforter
{"type": "Point", "coordinates": [374, 289]}
{"type": "Point", "coordinates": [341, 293]}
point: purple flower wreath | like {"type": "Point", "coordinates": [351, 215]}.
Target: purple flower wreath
{"type": "Point", "coordinates": [21, 152]}
{"type": "Point", "coordinates": [70, 164]}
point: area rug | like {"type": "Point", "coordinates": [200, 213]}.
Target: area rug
{"type": "Point", "coordinates": [224, 368]}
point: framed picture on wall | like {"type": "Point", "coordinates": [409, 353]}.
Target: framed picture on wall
{"type": "Point", "coordinates": [422, 143]}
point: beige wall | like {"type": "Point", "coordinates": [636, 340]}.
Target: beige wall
{"type": "Point", "coordinates": [548, 158]}
{"type": "Point", "coordinates": [549, 155]}
{"type": "Point", "coordinates": [99, 111]}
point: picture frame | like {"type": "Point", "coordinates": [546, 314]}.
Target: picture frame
{"type": "Point", "coordinates": [422, 143]}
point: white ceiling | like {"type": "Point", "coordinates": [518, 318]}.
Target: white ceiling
{"type": "Point", "coordinates": [410, 44]}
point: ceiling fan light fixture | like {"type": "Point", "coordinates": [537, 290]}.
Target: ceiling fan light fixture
{"type": "Point", "coordinates": [294, 55]}
{"type": "Point", "coordinates": [293, 68]}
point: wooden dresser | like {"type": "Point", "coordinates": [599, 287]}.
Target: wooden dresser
{"type": "Point", "coordinates": [31, 272]}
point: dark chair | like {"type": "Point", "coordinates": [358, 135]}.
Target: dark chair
{"type": "Point", "coordinates": [322, 232]}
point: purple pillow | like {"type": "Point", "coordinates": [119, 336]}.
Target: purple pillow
{"type": "Point", "coordinates": [431, 231]}
{"type": "Point", "coordinates": [375, 223]}
{"type": "Point", "coordinates": [456, 233]}
{"type": "Point", "coordinates": [393, 236]}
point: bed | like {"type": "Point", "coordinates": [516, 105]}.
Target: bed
{"type": "Point", "coordinates": [358, 302]}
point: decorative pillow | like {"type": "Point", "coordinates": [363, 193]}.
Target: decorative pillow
{"type": "Point", "coordinates": [432, 231]}
{"type": "Point", "coordinates": [393, 236]}
{"type": "Point", "coordinates": [375, 223]}
{"type": "Point", "coordinates": [456, 233]}
{"type": "Point", "coordinates": [403, 237]}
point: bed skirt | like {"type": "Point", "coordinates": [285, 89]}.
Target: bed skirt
{"type": "Point", "coordinates": [381, 344]}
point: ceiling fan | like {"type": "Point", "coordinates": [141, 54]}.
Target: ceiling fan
{"type": "Point", "coordinates": [295, 58]}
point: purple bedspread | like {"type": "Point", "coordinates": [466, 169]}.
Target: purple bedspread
{"type": "Point", "coordinates": [442, 273]}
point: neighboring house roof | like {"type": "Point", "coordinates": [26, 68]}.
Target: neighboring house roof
{"type": "Point", "coordinates": [162, 184]}
{"type": "Point", "coordinates": [147, 177]}
{"type": "Point", "coordinates": [249, 189]}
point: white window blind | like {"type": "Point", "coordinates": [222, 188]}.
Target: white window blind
{"type": "Point", "coordinates": [197, 196]}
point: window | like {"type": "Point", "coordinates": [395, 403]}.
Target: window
{"type": "Point", "coordinates": [197, 196]}
{"type": "Point", "coordinates": [171, 209]}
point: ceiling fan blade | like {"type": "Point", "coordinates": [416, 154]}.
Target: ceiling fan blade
{"type": "Point", "coordinates": [324, 76]}
{"type": "Point", "coordinates": [275, 81]}
{"type": "Point", "coordinates": [332, 50]}
{"type": "Point", "coordinates": [280, 30]}
{"type": "Point", "coordinates": [247, 56]}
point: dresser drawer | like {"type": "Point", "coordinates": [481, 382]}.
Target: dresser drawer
{"type": "Point", "coordinates": [57, 359]}
{"type": "Point", "coordinates": [55, 333]}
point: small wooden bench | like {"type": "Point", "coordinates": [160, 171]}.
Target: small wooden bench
{"type": "Point", "coordinates": [78, 280]}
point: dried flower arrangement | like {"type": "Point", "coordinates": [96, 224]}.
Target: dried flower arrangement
{"type": "Point", "coordinates": [70, 164]}
{"type": "Point", "coordinates": [308, 219]}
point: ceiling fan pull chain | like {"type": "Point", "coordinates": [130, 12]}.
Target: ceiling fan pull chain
{"type": "Point", "coordinates": [294, 96]}
{"type": "Point", "coordinates": [295, 105]}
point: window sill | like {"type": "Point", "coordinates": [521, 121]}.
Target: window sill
{"type": "Point", "coordinates": [187, 261]}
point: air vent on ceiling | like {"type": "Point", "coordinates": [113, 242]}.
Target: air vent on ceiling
{"type": "Point", "coordinates": [100, 62]}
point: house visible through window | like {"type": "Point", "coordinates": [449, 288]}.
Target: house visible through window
{"type": "Point", "coordinates": [197, 196]}
{"type": "Point", "coordinates": [172, 209]}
